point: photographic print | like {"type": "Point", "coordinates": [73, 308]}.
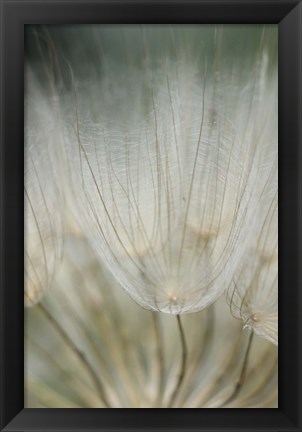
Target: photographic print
{"type": "Point", "coordinates": [151, 216]}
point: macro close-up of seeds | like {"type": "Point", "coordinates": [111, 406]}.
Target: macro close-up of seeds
{"type": "Point", "coordinates": [151, 216]}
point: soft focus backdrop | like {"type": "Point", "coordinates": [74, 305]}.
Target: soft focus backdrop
{"type": "Point", "coordinates": [151, 223]}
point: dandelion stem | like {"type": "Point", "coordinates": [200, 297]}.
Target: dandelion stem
{"type": "Point", "coordinates": [183, 361]}
{"type": "Point", "coordinates": [242, 373]}
{"type": "Point", "coordinates": [160, 358]}
{"type": "Point", "coordinates": [81, 356]}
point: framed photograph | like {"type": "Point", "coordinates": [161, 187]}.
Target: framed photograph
{"type": "Point", "coordinates": [150, 172]}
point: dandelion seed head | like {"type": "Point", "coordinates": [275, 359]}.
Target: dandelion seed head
{"type": "Point", "coordinates": [167, 190]}
{"type": "Point", "coordinates": [43, 224]}
{"type": "Point", "coordinates": [166, 157]}
{"type": "Point", "coordinates": [254, 293]}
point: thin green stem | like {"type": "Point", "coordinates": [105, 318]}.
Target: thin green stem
{"type": "Point", "coordinates": [80, 355]}
{"type": "Point", "coordinates": [242, 375]}
{"type": "Point", "coordinates": [160, 359]}
{"type": "Point", "coordinates": [183, 362]}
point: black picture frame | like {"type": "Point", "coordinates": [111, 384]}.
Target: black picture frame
{"type": "Point", "coordinates": [14, 15]}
